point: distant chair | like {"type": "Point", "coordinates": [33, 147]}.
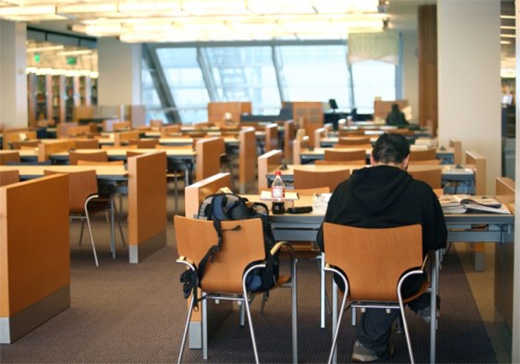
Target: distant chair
{"type": "Point", "coordinates": [423, 154]}
{"type": "Point", "coordinates": [353, 142]}
{"type": "Point", "coordinates": [432, 176]}
{"type": "Point", "coordinates": [353, 156]}
{"type": "Point", "coordinates": [100, 156]}
{"type": "Point", "coordinates": [87, 143]}
{"type": "Point", "coordinates": [9, 177]}
{"type": "Point", "coordinates": [96, 163]}
{"type": "Point", "coordinates": [147, 143]}
{"type": "Point", "coordinates": [311, 179]}
{"type": "Point", "coordinates": [7, 157]}
{"type": "Point", "coordinates": [351, 133]}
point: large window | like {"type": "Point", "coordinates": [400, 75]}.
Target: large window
{"type": "Point", "coordinates": [245, 74]}
{"type": "Point", "coordinates": [186, 83]}
{"type": "Point", "coordinates": [372, 79]}
{"type": "Point", "coordinates": [316, 73]}
{"type": "Point", "coordinates": [266, 74]}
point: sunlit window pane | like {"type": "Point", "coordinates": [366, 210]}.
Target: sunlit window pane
{"type": "Point", "coordinates": [372, 79]}
{"type": "Point", "coordinates": [150, 96]}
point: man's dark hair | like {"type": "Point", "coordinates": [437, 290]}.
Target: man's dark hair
{"type": "Point", "coordinates": [391, 148]}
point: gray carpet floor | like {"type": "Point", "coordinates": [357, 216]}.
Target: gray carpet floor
{"type": "Point", "coordinates": [134, 313]}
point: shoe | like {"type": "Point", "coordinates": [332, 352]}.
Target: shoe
{"type": "Point", "coordinates": [362, 354]}
{"type": "Point", "coordinates": [426, 314]}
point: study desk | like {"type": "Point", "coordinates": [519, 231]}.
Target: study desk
{"type": "Point", "coordinates": [493, 228]}
{"type": "Point", "coordinates": [464, 178]}
{"type": "Point", "coordinates": [112, 178]}
{"type": "Point", "coordinates": [310, 155]}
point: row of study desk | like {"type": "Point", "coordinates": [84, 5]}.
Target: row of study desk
{"type": "Point", "coordinates": [493, 228]}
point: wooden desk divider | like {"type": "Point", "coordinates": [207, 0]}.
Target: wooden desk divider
{"type": "Point", "coordinates": [298, 146]}
{"type": "Point", "coordinates": [271, 137]}
{"type": "Point", "coordinates": [55, 146]}
{"type": "Point", "coordinates": [61, 129]}
{"type": "Point", "coordinates": [194, 194]}
{"type": "Point", "coordinates": [9, 156]}
{"type": "Point", "coordinates": [208, 157]}
{"type": "Point", "coordinates": [266, 163]}
{"type": "Point", "coordinates": [16, 135]}
{"type": "Point", "coordinates": [319, 134]}
{"type": "Point", "coordinates": [217, 111]}
{"type": "Point", "coordinates": [288, 138]}
{"type": "Point", "coordinates": [479, 162]}
{"type": "Point", "coordinates": [123, 137]}
{"type": "Point", "coordinates": [76, 130]}
{"type": "Point", "coordinates": [167, 130]}
{"type": "Point", "coordinates": [122, 126]}
{"type": "Point", "coordinates": [312, 113]}
{"type": "Point", "coordinates": [35, 261]}
{"type": "Point", "coordinates": [9, 177]}
{"type": "Point", "coordinates": [504, 261]}
{"type": "Point", "coordinates": [247, 158]}
{"type": "Point", "coordinates": [146, 204]}
{"type": "Point", "coordinates": [457, 150]}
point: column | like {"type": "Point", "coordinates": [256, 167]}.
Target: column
{"type": "Point", "coordinates": [469, 78]}
{"type": "Point", "coordinates": [13, 79]}
{"type": "Point", "coordinates": [119, 82]}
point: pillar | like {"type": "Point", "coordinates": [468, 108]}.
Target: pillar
{"type": "Point", "coordinates": [13, 78]}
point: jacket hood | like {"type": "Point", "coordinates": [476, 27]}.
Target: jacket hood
{"type": "Point", "coordinates": [377, 188]}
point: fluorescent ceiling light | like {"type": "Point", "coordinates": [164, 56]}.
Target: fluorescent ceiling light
{"type": "Point", "coordinates": [281, 6]}
{"type": "Point", "coordinates": [86, 7]}
{"type": "Point", "coordinates": [75, 53]}
{"type": "Point", "coordinates": [214, 7]}
{"type": "Point", "coordinates": [505, 42]}
{"type": "Point", "coordinates": [507, 36]}
{"type": "Point", "coordinates": [151, 8]}
{"type": "Point", "coordinates": [27, 10]}
{"type": "Point", "coordinates": [335, 6]}
{"type": "Point", "coordinates": [507, 16]}
{"type": "Point", "coordinates": [507, 27]}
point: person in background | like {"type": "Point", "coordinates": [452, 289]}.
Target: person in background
{"type": "Point", "coordinates": [396, 117]}
{"type": "Point", "coordinates": [385, 196]}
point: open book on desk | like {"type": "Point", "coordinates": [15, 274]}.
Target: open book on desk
{"type": "Point", "coordinates": [458, 204]}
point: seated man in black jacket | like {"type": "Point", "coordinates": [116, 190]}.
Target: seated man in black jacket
{"type": "Point", "coordinates": [382, 196]}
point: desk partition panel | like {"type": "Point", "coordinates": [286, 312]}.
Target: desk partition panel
{"type": "Point", "coordinates": [247, 158]}
{"type": "Point", "coordinates": [146, 204]}
{"type": "Point", "coordinates": [266, 163]}
{"type": "Point", "coordinates": [34, 254]}
{"type": "Point", "coordinates": [208, 157]}
{"type": "Point", "coordinates": [55, 146]}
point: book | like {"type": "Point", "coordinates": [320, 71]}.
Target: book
{"type": "Point", "coordinates": [458, 204]}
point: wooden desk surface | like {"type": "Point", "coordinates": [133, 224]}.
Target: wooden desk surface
{"type": "Point", "coordinates": [117, 173]}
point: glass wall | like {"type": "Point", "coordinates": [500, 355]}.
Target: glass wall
{"type": "Point", "coordinates": [267, 74]}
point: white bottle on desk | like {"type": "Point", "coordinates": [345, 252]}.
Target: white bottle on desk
{"type": "Point", "coordinates": [278, 194]}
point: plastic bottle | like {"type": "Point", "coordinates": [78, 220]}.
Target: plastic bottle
{"type": "Point", "coordinates": [278, 194]}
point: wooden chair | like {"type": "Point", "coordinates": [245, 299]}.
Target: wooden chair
{"type": "Point", "coordinates": [425, 162]}
{"type": "Point", "coordinates": [7, 157]}
{"type": "Point", "coordinates": [100, 156]}
{"type": "Point", "coordinates": [87, 143]}
{"type": "Point", "coordinates": [351, 133]}
{"type": "Point", "coordinates": [312, 179]}
{"type": "Point", "coordinates": [147, 143]}
{"type": "Point", "coordinates": [354, 142]}
{"type": "Point", "coordinates": [9, 177]}
{"type": "Point", "coordinates": [225, 278]}
{"type": "Point", "coordinates": [394, 253]}
{"type": "Point", "coordinates": [421, 155]}
{"type": "Point", "coordinates": [95, 163]}
{"type": "Point", "coordinates": [353, 156]}
{"type": "Point", "coordinates": [432, 176]}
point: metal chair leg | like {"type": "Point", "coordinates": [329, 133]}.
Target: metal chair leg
{"type": "Point", "coordinates": [91, 236]}
{"type": "Point", "coordinates": [250, 321]}
{"type": "Point", "coordinates": [119, 224]}
{"type": "Point", "coordinates": [294, 299]}
{"type": "Point", "coordinates": [186, 327]}
{"type": "Point", "coordinates": [336, 329]}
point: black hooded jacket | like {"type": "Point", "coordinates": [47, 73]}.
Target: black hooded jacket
{"type": "Point", "coordinates": [386, 196]}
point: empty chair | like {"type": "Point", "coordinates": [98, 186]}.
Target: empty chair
{"type": "Point", "coordinates": [432, 162]}
{"type": "Point", "coordinates": [147, 143]}
{"type": "Point", "coordinates": [353, 142]}
{"type": "Point", "coordinates": [354, 156]}
{"type": "Point", "coordinates": [432, 176]}
{"type": "Point", "coordinates": [8, 157]}
{"type": "Point", "coordinates": [351, 133]}
{"type": "Point", "coordinates": [394, 255]}
{"type": "Point", "coordinates": [422, 154]}
{"type": "Point", "coordinates": [9, 177]}
{"type": "Point", "coordinates": [100, 156]}
{"type": "Point", "coordinates": [326, 178]}
{"type": "Point", "coordinates": [225, 277]}
{"type": "Point", "coordinates": [95, 163]}
{"type": "Point", "coordinates": [87, 143]}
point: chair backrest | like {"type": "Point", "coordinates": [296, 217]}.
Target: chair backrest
{"type": "Point", "coordinates": [95, 163]}
{"type": "Point", "coordinates": [9, 177]}
{"type": "Point", "coordinates": [81, 185]}
{"type": "Point", "coordinates": [100, 156]}
{"type": "Point", "coordinates": [426, 162]}
{"type": "Point", "coordinates": [239, 248]}
{"type": "Point", "coordinates": [373, 259]}
{"type": "Point", "coordinates": [147, 143]}
{"type": "Point", "coordinates": [432, 176]}
{"type": "Point", "coordinates": [322, 162]}
{"type": "Point", "coordinates": [326, 178]}
{"type": "Point", "coordinates": [8, 156]}
{"type": "Point", "coordinates": [351, 133]}
{"type": "Point", "coordinates": [305, 191]}
{"type": "Point", "coordinates": [87, 143]}
{"type": "Point", "coordinates": [421, 155]}
{"type": "Point", "coordinates": [354, 141]}
{"type": "Point", "coordinates": [345, 155]}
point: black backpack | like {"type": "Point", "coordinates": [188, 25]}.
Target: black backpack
{"type": "Point", "coordinates": [229, 206]}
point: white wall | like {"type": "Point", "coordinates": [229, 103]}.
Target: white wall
{"type": "Point", "coordinates": [13, 79]}
{"type": "Point", "coordinates": [411, 72]}
{"type": "Point", "coordinates": [469, 78]}
{"type": "Point", "coordinates": [119, 66]}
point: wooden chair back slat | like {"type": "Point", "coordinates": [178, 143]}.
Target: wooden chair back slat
{"type": "Point", "coordinates": [312, 179]}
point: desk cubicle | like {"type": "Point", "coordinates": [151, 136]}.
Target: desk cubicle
{"type": "Point", "coordinates": [34, 254]}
